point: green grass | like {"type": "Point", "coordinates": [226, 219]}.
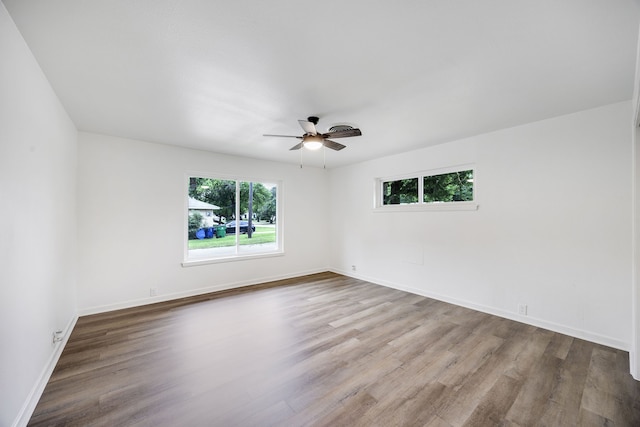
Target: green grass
{"type": "Point", "coordinates": [261, 235]}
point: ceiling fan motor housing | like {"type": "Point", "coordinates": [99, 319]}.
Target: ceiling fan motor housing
{"type": "Point", "coordinates": [341, 127]}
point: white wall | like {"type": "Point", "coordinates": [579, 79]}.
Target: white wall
{"type": "Point", "coordinates": [124, 251]}
{"type": "Point", "coordinates": [634, 356]}
{"type": "Point", "coordinates": [553, 229]}
{"type": "Point", "coordinates": [37, 225]}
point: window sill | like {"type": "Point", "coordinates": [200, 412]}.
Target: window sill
{"type": "Point", "coordinates": [231, 258]}
{"type": "Point", "coordinates": [425, 207]}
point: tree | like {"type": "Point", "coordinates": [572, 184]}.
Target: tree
{"type": "Point", "coordinates": [219, 192]}
{"type": "Point", "coordinates": [195, 222]}
{"type": "Point", "coordinates": [449, 187]}
{"type": "Point", "coordinates": [261, 197]}
{"type": "Point", "coordinates": [268, 211]}
{"type": "Point", "coordinates": [400, 191]}
{"type": "Point", "coordinates": [222, 193]}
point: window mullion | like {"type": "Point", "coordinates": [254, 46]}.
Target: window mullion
{"type": "Point", "coordinates": [237, 213]}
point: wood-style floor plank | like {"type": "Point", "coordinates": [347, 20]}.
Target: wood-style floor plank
{"type": "Point", "coordinates": [328, 350]}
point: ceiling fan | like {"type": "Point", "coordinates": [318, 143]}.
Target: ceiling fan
{"type": "Point", "coordinates": [313, 140]}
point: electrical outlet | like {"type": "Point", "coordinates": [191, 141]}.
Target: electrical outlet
{"type": "Point", "coordinates": [153, 292]}
{"type": "Point", "coordinates": [353, 268]}
{"type": "Point", "coordinates": [522, 309]}
{"type": "Point", "coordinates": [57, 336]}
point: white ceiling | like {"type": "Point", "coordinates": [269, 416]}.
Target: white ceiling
{"type": "Point", "coordinates": [216, 75]}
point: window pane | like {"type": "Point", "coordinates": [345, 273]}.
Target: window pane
{"type": "Point", "coordinates": [449, 187]}
{"type": "Point", "coordinates": [399, 192]}
{"type": "Point", "coordinates": [257, 223]}
{"type": "Point", "coordinates": [211, 204]}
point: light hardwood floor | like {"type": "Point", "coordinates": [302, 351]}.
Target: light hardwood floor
{"type": "Point", "coordinates": [329, 350]}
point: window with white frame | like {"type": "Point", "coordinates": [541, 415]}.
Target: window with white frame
{"type": "Point", "coordinates": [448, 187]}
{"type": "Point", "coordinates": [451, 188]}
{"type": "Point", "coordinates": [228, 219]}
{"type": "Point", "coordinates": [400, 191]}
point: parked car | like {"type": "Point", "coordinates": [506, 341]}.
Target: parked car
{"type": "Point", "coordinates": [244, 227]}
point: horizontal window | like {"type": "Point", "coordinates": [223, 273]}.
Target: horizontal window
{"type": "Point", "coordinates": [445, 189]}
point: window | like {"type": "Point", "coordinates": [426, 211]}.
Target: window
{"type": "Point", "coordinates": [228, 219]}
{"type": "Point", "coordinates": [400, 192]}
{"type": "Point", "coordinates": [451, 188]}
{"type": "Point", "coordinates": [448, 187]}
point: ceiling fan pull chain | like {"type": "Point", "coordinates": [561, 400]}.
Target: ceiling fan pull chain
{"type": "Point", "coordinates": [324, 156]}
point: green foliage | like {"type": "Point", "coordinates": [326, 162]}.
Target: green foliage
{"type": "Point", "coordinates": [268, 211]}
{"type": "Point", "coordinates": [261, 197]}
{"type": "Point", "coordinates": [222, 193]}
{"type": "Point", "coordinates": [218, 192]}
{"type": "Point", "coordinates": [195, 222]}
{"type": "Point", "coordinates": [449, 187]}
{"type": "Point", "coordinates": [400, 192]}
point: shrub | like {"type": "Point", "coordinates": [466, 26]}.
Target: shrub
{"type": "Point", "coordinates": [195, 223]}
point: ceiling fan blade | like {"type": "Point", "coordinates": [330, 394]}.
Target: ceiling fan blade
{"type": "Point", "coordinates": [342, 133]}
{"type": "Point", "coordinates": [308, 127]}
{"type": "Point", "coordinates": [296, 147]}
{"type": "Point", "coordinates": [333, 145]}
{"type": "Point", "coordinates": [283, 136]}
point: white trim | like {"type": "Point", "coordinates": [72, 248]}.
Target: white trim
{"type": "Point", "coordinates": [232, 258]}
{"type": "Point", "coordinates": [541, 323]}
{"type": "Point", "coordinates": [177, 295]}
{"type": "Point", "coordinates": [185, 221]}
{"type": "Point", "coordinates": [236, 214]}
{"type": "Point", "coordinates": [634, 351]}
{"type": "Point", "coordinates": [420, 207]}
{"type": "Point", "coordinates": [23, 417]}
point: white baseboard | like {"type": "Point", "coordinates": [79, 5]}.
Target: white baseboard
{"type": "Point", "coordinates": [177, 295]}
{"type": "Point", "coordinates": [36, 392]}
{"type": "Point", "coordinates": [541, 323]}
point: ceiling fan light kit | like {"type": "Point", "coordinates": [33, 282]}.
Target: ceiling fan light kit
{"type": "Point", "coordinates": [312, 142]}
